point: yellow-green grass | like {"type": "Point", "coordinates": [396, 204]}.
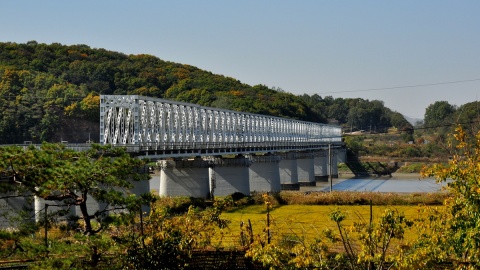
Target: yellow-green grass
{"type": "Point", "coordinates": [302, 221]}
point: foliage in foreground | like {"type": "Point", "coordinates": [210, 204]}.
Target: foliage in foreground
{"type": "Point", "coordinates": [458, 228]}
{"type": "Point", "coordinates": [167, 241]}
{"type": "Point", "coordinates": [366, 244]}
{"type": "Point", "coordinates": [73, 178]}
{"type": "Point", "coordinates": [445, 236]}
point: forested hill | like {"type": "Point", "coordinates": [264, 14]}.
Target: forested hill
{"type": "Point", "coordinates": [50, 93]}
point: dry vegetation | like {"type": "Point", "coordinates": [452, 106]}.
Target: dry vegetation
{"type": "Point", "coordinates": [345, 198]}
{"type": "Point", "coordinates": [362, 198]}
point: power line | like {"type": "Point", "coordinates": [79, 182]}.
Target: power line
{"type": "Point", "coordinates": [425, 127]}
{"type": "Point", "coordinates": [400, 87]}
{"type": "Point", "coordinates": [448, 125]}
{"type": "Point", "coordinates": [43, 97]}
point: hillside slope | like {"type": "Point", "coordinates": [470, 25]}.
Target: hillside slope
{"type": "Point", "coordinates": [45, 87]}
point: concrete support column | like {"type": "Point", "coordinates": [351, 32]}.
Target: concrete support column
{"type": "Point", "coordinates": [155, 181]}
{"type": "Point", "coordinates": [341, 155]}
{"type": "Point", "coordinates": [60, 208]}
{"type": "Point", "coordinates": [334, 166]}
{"type": "Point", "coordinates": [11, 209]}
{"type": "Point", "coordinates": [264, 174]}
{"type": "Point", "coordinates": [230, 175]}
{"type": "Point", "coordinates": [288, 171]}
{"type": "Point", "coordinates": [184, 178]}
{"type": "Point", "coordinates": [320, 162]}
{"type": "Point", "coordinates": [142, 187]}
{"type": "Point", "coordinates": [305, 170]}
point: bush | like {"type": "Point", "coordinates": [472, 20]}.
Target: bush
{"type": "Point", "coordinates": [411, 151]}
{"type": "Point", "coordinates": [411, 168]}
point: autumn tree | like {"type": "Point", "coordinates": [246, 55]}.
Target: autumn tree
{"type": "Point", "coordinates": [168, 240]}
{"type": "Point", "coordinates": [468, 116]}
{"type": "Point", "coordinates": [459, 237]}
{"type": "Point", "coordinates": [53, 172]}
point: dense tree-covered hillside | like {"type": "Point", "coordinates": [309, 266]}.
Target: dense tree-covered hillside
{"type": "Point", "coordinates": [50, 92]}
{"type": "Point", "coordinates": [441, 115]}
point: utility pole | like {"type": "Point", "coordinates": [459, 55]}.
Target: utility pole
{"type": "Point", "coordinates": [330, 177]}
{"type": "Point", "coordinates": [46, 226]}
{"type": "Point", "coordinates": [370, 125]}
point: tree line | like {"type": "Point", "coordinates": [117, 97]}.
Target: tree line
{"type": "Point", "coordinates": [441, 116]}
{"type": "Point", "coordinates": [45, 86]}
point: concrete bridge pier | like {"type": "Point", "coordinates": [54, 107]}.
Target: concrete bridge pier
{"type": "Point", "coordinates": [155, 181]}
{"type": "Point", "coordinates": [15, 210]}
{"type": "Point", "coordinates": [59, 208]}
{"type": "Point", "coordinates": [320, 164]}
{"type": "Point", "coordinates": [305, 170]}
{"type": "Point", "coordinates": [229, 175]}
{"type": "Point", "coordinates": [288, 171]}
{"type": "Point", "coordinates": [264, 173]}
{"type": "Point", "coordinates": [333, 168]}
{"type": "Point", "coordinates": [184, 178]}
{"type": "Point", "coordinates": [142, 187]}
{"type": "Point", "coordinates": [342, 155]}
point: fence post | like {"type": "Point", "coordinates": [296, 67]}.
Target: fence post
{"type": "Point", "coordinates": [46, 228]}
{"type": "Point", "coordinates": [141, 226]}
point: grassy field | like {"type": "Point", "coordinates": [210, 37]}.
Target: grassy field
{"type": "Point", "coordinates": [304, 216]}
{"type": "Point", "coordinates": [302, 222]}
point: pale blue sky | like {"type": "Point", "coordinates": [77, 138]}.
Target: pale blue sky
{"type": "Point", "coordinates": [325, 47]}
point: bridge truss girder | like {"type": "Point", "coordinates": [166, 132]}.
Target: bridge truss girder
{"type": "Point", "coordinates": [147, 124]}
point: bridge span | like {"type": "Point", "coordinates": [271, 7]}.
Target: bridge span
{"type": "Point", "coordinates": [160, 128]}
{"type": "Point", "coordinates": [205, 152]}
{"type": "Point", "coordinates": [199, 148]}
{"type": "Point", "coordinates": [202, 151]}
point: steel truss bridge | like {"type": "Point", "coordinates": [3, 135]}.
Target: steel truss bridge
{"type": "Point", "coordinates": [163, 128]}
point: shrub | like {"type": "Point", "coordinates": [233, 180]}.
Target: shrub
{"type": "Point", "coordinates": [411, 168]}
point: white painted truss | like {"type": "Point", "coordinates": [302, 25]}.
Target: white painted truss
{"type": "Point", "coordinates": [152, 124]}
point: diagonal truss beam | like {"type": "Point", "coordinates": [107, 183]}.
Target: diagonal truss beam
{"type": "Point", "coordinates": [153, 124]}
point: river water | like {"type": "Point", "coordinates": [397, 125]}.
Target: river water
{"type": "Point", "coordinates": [396, 183]}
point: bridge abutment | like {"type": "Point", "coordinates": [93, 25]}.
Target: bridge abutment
{"type": "Point", "coordinates": [264, 174]}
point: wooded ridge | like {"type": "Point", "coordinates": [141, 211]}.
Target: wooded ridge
{"type": "Point", "coordinates": [51, 93]}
